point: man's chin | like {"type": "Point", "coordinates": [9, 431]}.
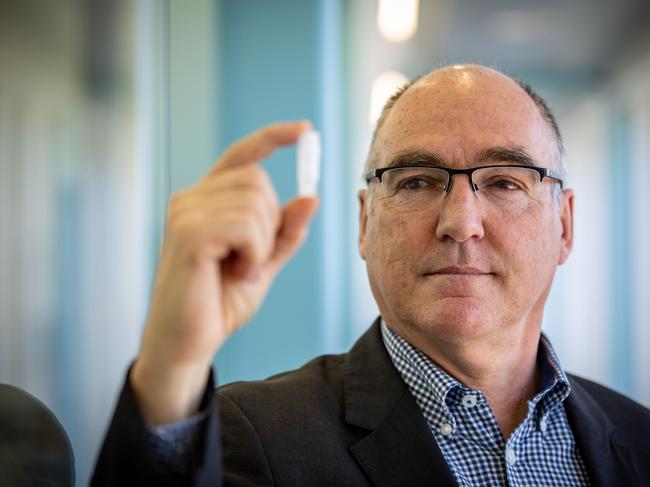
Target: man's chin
{"type": "Point", "coordinates": [454, 322]}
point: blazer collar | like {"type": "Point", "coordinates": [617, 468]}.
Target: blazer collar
{"type": "Point", "coordinates": [399, 448]}
{"type": "Point", "coordinates": [604, 457]}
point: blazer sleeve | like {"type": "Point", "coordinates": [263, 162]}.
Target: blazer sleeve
{"type": "Point", "coordinates": [126, 457]}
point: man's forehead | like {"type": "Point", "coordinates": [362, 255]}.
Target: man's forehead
{"type": "Point", "coordinates": [464, 110]}
{"type": "Point", "coordinates": [466, 81]}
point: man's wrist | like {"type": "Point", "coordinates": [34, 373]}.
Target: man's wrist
{"type": "Point", "coordinates": [166, 392]}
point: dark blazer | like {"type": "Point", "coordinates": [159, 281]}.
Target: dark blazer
{"type": "Point", "coordinates": [350, 420]}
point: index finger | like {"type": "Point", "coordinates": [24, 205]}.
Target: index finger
{"type": "Point", "coordinates": [262, 143]}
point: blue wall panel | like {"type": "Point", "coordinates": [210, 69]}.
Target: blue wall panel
{"type": "Point", "coordinates": [622, 295]}
{"type": "Point", "coordinates": [269, 55]}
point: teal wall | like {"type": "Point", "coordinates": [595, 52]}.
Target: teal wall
{"type": "Point", "coordinates": [233, 67]}
{"type": "Point", "coordinates": [622, 319]}
{"type": "Point", "coordinates": [270, 55]}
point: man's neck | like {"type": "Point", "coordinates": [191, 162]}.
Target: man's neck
{"type": "Point", "coordinates": [503, 368]}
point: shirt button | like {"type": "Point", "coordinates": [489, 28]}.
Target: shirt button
{"type": "Point", "coordinates": [469, 400]}
{"type": "Point", "coordinates": [511, 457]}
{"type": "Point", "coordinates": [446, 429]}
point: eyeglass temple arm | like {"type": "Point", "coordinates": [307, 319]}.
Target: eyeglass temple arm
{"type": "Point", "coordinates": [548, 173]}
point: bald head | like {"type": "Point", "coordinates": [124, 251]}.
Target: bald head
{"type": "Point", "coordinates": [477, 93]}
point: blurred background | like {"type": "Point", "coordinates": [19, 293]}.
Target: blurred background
{"type": "Point", "coordinates": [106, 108]}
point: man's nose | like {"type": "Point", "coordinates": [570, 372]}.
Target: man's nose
{"type": "Point", "coordinates": [460, 212]}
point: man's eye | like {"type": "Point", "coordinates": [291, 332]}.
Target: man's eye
{"type": "Point", "coordinates": [415, 183]}
{"type": "Point", "coordinates": [505, 185]}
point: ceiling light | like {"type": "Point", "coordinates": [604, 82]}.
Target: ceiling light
{"type": "Point", "coordinates": [397, 20]}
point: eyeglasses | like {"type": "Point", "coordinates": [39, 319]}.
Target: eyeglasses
{"type": "Point", "coordinates": [512, 187]}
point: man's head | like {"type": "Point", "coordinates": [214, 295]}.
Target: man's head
{"type": "Point", "coordinates": [465, 268]}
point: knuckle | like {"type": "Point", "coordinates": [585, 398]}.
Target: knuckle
{"type": "Point", "coordinates": [258, 177]}
{"type": "Point", "coordinates": [175, 211]}
{"type": "Point", "coordinates": [250, 222]}
{"type": "Point", "coordinates": [238, 145]}
{"type": "Point", "coordinates": [180, 223]}
{"type": "Point", "coordinates": [268, 130]}
{"type": "Point", "coordinates": [264, 138]}
{"type": "Point", "coordinates": [175, 200]}
{"type": "Point", "coordinates": [255, 182]}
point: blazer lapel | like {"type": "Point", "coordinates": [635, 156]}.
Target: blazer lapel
{"type": "Point", "coordinates": [603, 457]}
{"type": "Point", "coordinates": [399, 448]}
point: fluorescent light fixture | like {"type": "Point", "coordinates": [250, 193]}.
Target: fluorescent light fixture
{"type": "Point", "coordinates": [382, 88]}
{"type": "Point", "coordinates": [397, 20]}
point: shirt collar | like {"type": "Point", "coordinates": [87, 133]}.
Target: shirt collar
{"type": "Point", "coordinates": [409, 359]}
{"type": "Point", "coordinates": [551, 371]}
{"type": "Point", "coordinates": [554, 385]}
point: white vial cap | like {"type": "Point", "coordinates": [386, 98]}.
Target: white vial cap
{"type": "Point", "coordinates": [308, 162]}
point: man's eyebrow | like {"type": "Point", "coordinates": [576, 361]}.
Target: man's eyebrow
{"type": "Point", "coordinates": [507, 155]}
{"type": "Point", "coordinates": [512, 155]}
{"type": "Point", "coordinates": [417, 158]}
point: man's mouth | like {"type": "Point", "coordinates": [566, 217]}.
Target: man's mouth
{"type": "Point", "coordinates": [459, 270]}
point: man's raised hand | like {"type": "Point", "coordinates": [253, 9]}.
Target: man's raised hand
{"type": "Point", "coordinates": [225, 240]}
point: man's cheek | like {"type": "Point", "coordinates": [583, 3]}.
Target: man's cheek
{"type": "Point", "coordinates": [389, 255]}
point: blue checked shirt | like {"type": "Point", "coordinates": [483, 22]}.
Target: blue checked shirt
{"type": "Point", "coordinates": [172, 445]}
{"type": "Point", "coordinates": [540, 452]}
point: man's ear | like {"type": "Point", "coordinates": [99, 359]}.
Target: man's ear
{"type": "Point", "coordinates": [566, 219]}
{"type": "Point", "coordinates": [363, 220]}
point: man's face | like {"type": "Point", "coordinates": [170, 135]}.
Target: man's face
{"type": "Point", "coordinates": [464, 270]}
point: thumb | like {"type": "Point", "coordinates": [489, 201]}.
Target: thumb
{"type": "Point", "coordinates": [296, 216]}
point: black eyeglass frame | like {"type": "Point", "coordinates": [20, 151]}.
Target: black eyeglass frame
{"type": "Point", "coordinates": [543, 172]}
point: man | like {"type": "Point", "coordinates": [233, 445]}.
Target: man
{"type": "Point", "coordinates": [462, 225]}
